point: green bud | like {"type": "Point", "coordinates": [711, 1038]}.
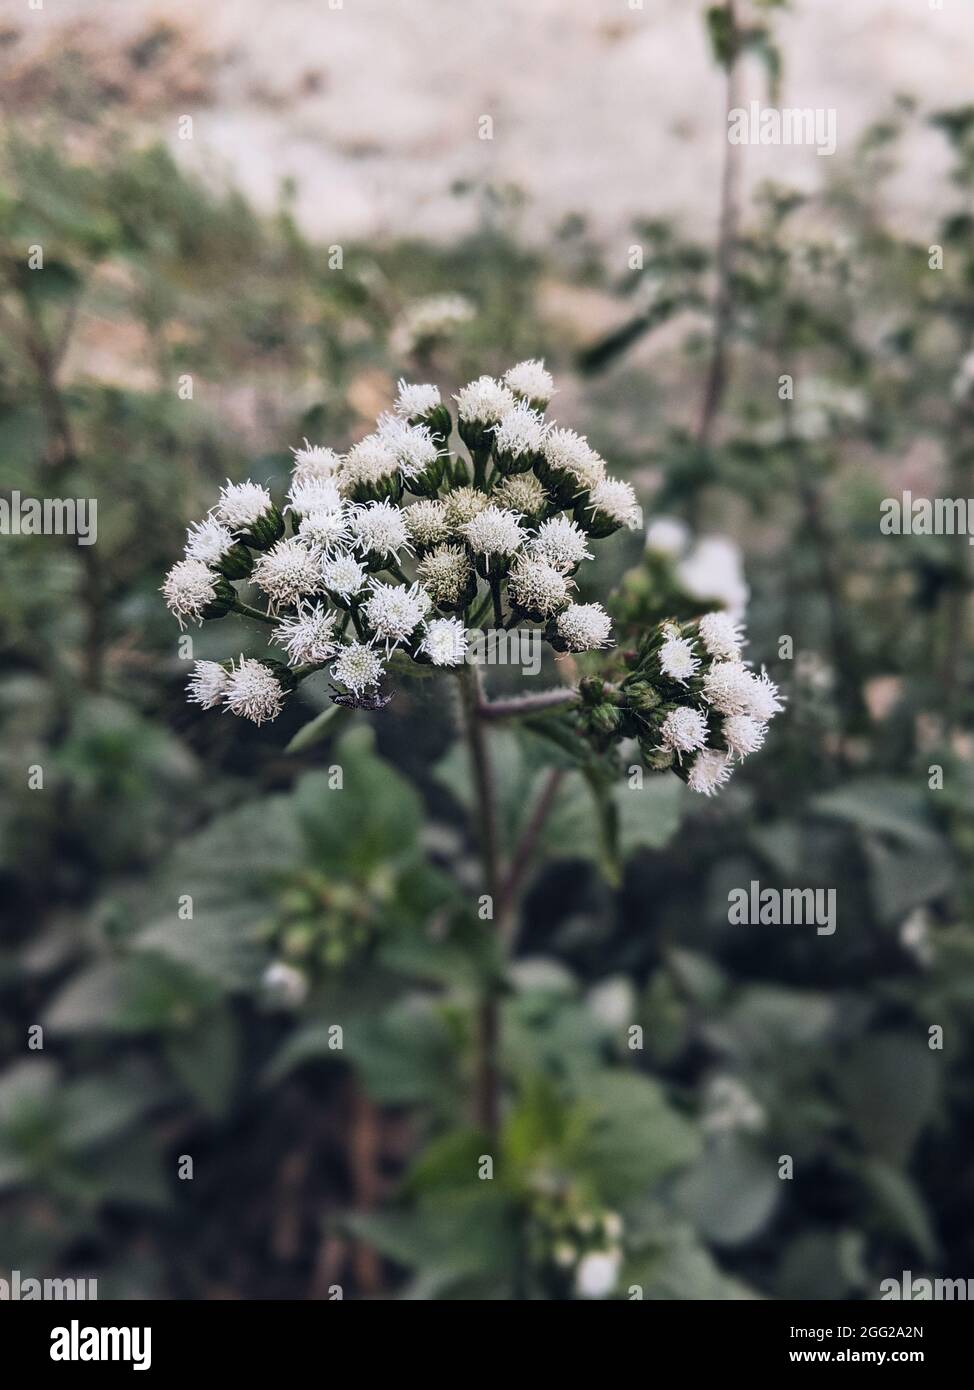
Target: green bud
{"type": "Point", "coordinates": [605, 719]}
{"type": "Point", "coordinates": [237, 562]}
{"type": "Point", "coordinates": [591, 689]}
{"type": "Point", "coordinates": [657, 759]}
{"type": "Point", "coordinates": [225, 596]}
{"type": "Point", "coordinates": [265, 531]}
{"type": "Point", "coordinates": [641, 696]}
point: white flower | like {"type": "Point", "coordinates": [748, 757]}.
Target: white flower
{"type": "Point", "coordinates": [241, 504]}
{"type": "Point", "coordinates": [314, 495]}
{"type": "Point", "coordinates": [378, 528]}
{"type": "Point", "coordinates": [285, 985]}
{"type": "Point", "coordinates": [615, 499]}
{"type": "Point", "coordinates": [560, 542]}
{"type": "Point", "coordinates": [393, 611]}
{"type": "Point", "coordinates": [358, 667]}
{"type": "Point", "coordinates": [484, 401]}
{"type": "Point", "coordinates": [709, 771]}
{"type": "Point", "coordinates": [314, 461]}
{"type": "Point", "coordinates": [765, 701]}
{"type": "Point", "coordinates": [189, 587]}
{"type": "Point", "coordinates": [445, 642]}
{"type": "Point", "coordinates": [531, 380]}
{"type": "Point", "coordinates": [425, 319]}
{"type": "Point", "coordinates": [721, 636]}
{"type": "Point", "coordinates": [207, 685]}
{"type": "Point", "coordinates": [713, 573]}
{"type": "Point", "coordinates": [611, 1220]}
{"type": "Point", "coordinates": [522, 492]}
{"type": "Point", "coordinates": [584, 626]}
{"type": "Point", "coordinates": [207, 540]}
{"type": "Point", "coordinates": [371, 461]}
{"type": "Point", "coordinates": [415, 401]}
{"type": "Point", "coordinates": [462, 505]}
{"type": "Point", "coordinates": [445, 573]}
{"type": "Point", "coordinates": [684, 730]}
{"type": "Point", "coordinates": [326, 530]}
{"type": "Point", "coordinates": [253, 691]}
{"type": "Point", "coordinates": [676, 658]}
{"type": "Point", "coordinates": [494, 531]}
{"type": "Point", "coordinates": [568, 455]}
{"type": "Point", "coordinates": [426, 521]}
{"type": "Point", "coordinates": [521, 431]}
{"type": "Point", "coordinates": [343, 575]}
{"type": "Point", "coordinates": [413, 445]}
{"type": "Point", "coordinates": [538, 588]}
{"type": "Point", "coordinates": [743, 735]}
{"type": "Point", "coordinates": [309, 635]}
{"type": "Point", "coordinates": [915, 936]}
{"type": "Point", "coordinates": [667, 536]}
{"type": "Point", "coordinates": [727, 685]}
{"type": "Point", "coordinates": [598, 1273]}
{"type": "Point", "coordinates": [289, 570]}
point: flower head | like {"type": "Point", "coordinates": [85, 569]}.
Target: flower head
{"type": "Point", "coordinates": [721, 636]}
{"type": "Point", "coordinates": [684, 730]}
{"type": "Point", "coordinates": [713, 573]}
{"type": "Point", "coordinates": [309, 635]}
{"type": "Point", "coordinates": [371, 463]}
{"type": "Point", "coordinates": [343, 575]}
{"type": "Point", "coordinates": [676, 658]}
{"type": "Point", "coordinates": [445, 641]}
{"type": "Point", "coordinates": [583, 627]}
{"type": "Point", "coordinates": [208, 540]}
{"type": "Point", "coordinates": [709, 771]}
{"type": "Point", "coordinates": [240, 505]}
{"type": "Point", "coordinates": [313, 495]}
{"type": "Point", "coordinates": [537, 588]}
{"type": "Point", "coordinates": [519, 437]}
{"type": "Point", "coordinates": [394, 611]}
{"type": "Point", "coordinates": [598, 1273]}
{"type": "Point", "coordinates": [189, 588]}
{"type": "Point", "coordinates": [521, 492]}
{"type": "Point", "coordinates": [413, 402]}
{"type": "Point", "coordinates": [561, 543]}
{"type": "Point", "coordinates": [570, 458]}
{"type": "Point", "coordinates": [494, 532]}
{"type": "Point", "coordinates": [413, 445]}
{"type": "Point", "coordinates": [743, 734]}
{"type": "Point", "coordinates": [313, 461]}
{"type": "Point", "coordinates": [425, 320]}
{"type": "Point", "coordinates": [765, 700]}
{"type": "Point", "coordinates": [358, 668]}
{"type": "Point", "coordinates": [326, 530]}
{"type": "Point", "coordinates": [667, 536]}
{"type": "Point", "coordinates": [531, 381]}
{"type": "Point", "coordinates": [484, 401]}
{"type": "Point", "coordinates": [207, 685]}
{"type": "Point", "coordinates": [288, 571]}
{"type": "Point", "coordinates": [613, 501]}
{"type": "Point", "coordinates": [253, 691]}
{"type": "Point", "coordinates": [378, 529]}
{"type": "Point", "coordinates": [462, 505]}
{"type": "Point", "coordinates": [446, 574]}
{"type": "Point", "coordinates": [426, 522]}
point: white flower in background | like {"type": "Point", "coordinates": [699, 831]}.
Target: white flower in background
{"type": "Point", "coordinates": [583, 627]}
{"type": "Point", "coordinates": [964, 380]}
{"type": "Point", "coordinates": [308, 636]}
{"type": "Point", "coordinates": [313, 495]}
{"type": "Point", "coordinates": [565, 1254]}
{"type": "Point", "coordinates": [370, 463]}
{"type": "Point", "coordinates": [378, 528]}
{"type": "Point", "coordinates": [709, 771]}
{"type": "Point", "coordinates": [241, 504]}
{"type": "Point", "coordinates": [445, 641]}
{"type": "Point", "coordinates": [521, 431]}
{"type": "Point", "coordinates": [484, 401]}
{"type": "Point", "coordinates": [598, 1273]}
{"type": "Point", "coordinates": [570, 456]}
{"type": "Point", "coordinates": [425, 320]}
{"type": "Point", "coordinates": [426, 522]}
{"type": "Point", "coordinates": [537, 588]}
{"type": "Point", "coordinates": [494, 532]}
{"type": "Point", "coordinates": [616, 500]}
{"type": "Point", "coordinates": [522, 492]}
{"type": "Point", "coordinates": [343, 575]}
{"type": "Point", "coordinates": [253, 691]}
{"type": "Point", "coordinates": [189, 587]}
{"type": "Point", "coordinates": [358, 668]}
{"type": "Point", "coordinates": [611, 1220]}
{"type": "Point", "coordinates": [413, 401]}
{"type": "Point", "coordinates": [820, 404]}
{"type": "Point", "coordinates": [394, 611]}
{"type": "Point", "coordinates": [284, 985]}
{"type": "Point", "coordinates": [413, 445]}
{"type": "Point", "coordinates": [462, 505]}
{"type": "Point", "coordinates": [721, 636]}
{"type": "Point", "coordinates": [713, 572]}
{"type": "Point", "coordinates": [915, 936]}
{"type": "Point", "coordinates": [561, 543]}
{"type": "Point", "coordinates": [446, 573]}
{"type": "Point", "coordinates": [532, 381]}
{"type": "Point", "coordinates": [730, 1108]}
{"type": "Point", "coordinates": [684, 730]}
{"type": "Point", "coordinates": [743, 735]}
{"type": "Point", "coordinates": [207, 540]}
{"type": "Point", "coordinates": [288, 571]}
{"type": "Point", "coordinates": [207, 685]}
{"type": "Point", "coordinates": [313, 461]}
{"type": "Point", "coordinates": [667, 536]}
{"type": "Point", "coordinates": [676, 657]}
{"type": "Point", "coordinates": [325, 531]}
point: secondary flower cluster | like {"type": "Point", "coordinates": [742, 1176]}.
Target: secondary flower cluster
{"type": "Point", "coordinates": [493, 537]}
{"type": "Point", "coordinates": [690, 700]}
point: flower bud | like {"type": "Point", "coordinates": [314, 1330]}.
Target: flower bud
{"type": "Point", "coordinates": [641, 697]}
{"type": "Point", "coordinates": [236, 563]}
{"type": "Point", "coordinates": [605, 718]}
{"type": "Point", "coordinates": [225, 596]}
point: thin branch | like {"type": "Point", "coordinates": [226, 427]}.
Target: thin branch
{"type": "Point", "coordinates": [524, 851]}
{"type": "Point", "coordinates": [520, 706]}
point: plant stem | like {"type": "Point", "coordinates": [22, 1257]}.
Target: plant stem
{"type": "Point", "coordinates": [520, 706]}
{"type": "Point", "coordinates": [495, 594]}
{"type": "Point", "coordinates": [248, 612]}
{"type": "Point", "coordinates": [480, 611]}
{"type": "Point", "coordinates": [524, 851]}
{"type": "Point", "coordinates": [487, 1098]}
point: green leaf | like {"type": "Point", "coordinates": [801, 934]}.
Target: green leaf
{"type": "Point", "coordinates": [901, 1205]}
{"type": "Point", "coordinates": [886, 806]}
{"type": "Point", "coordinates": [206, 1060]}
{"type": "Point", "coordinates": [731, 1194]}
{"type": "Point", "coordinates": [891, 1086]}
{"type": "Point", "coordinates": [315, 730]}
{"type": "Point", "coordinates": [634, 1136]}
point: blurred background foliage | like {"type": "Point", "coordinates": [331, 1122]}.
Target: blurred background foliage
{"type": "Point", "coordinates": [328, 1124]}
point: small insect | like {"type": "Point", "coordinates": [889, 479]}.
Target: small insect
{"type": "Point", "coordinates": [349, 701]}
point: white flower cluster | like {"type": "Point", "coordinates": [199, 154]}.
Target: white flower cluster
{"type": "Point", "coordinates": [510, 525]}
